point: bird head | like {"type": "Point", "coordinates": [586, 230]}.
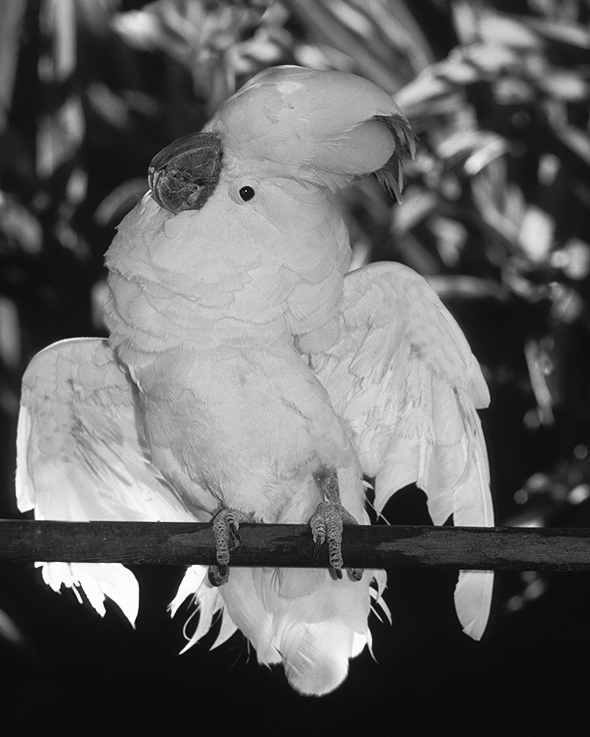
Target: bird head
{"type": "Point", "coordinates": [241, 221]}
{"type": "Point", "coordinates": [317, 128]}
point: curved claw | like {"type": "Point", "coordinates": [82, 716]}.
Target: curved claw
{"type": "Point", "coordinates": [328, 522]}
{"type": "Point", "coordinates": [225, 533]}
{"type": "Point", "coordinates": [218, 575]}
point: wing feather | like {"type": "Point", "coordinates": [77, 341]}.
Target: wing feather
{"type": "Point", "coordinates": [82, 456]}
{"type": "Point", "coordinates": [404, 380]}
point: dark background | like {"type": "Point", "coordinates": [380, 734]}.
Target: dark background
{"type": "Point", "coordinates": [495, 215]}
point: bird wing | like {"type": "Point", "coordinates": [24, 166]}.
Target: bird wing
{"type": "Point", "coordinates": [82, 455]}
{"type": "Point", "coordinates": [404, 380]}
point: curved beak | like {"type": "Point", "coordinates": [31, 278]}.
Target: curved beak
{"type": "Point", "coordinates": [185, 173]}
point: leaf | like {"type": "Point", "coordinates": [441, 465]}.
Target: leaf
{"type": "Point", "coordinates": [472, 149]}
{"type": "Point", "coordinates": [502, 30]}
{"type": "Point", "coordinates": [118, 203]}
{"type": "Point", "coordinates": [492, 59]}
{"type": "Point", "coordinates": [536, 234]}
{"type": "Point", "coordinates": [11, 14]}
{"type": "Point", "coordinates": [564, 85]}
{"type": "Point", "coordinates": [573, 259]}
{"type": "Point", "coordinates": [569, 34]}
{"type": "Point", "coordinates": [20, 226]}
{"type": "Point", "coordinates": [417, 206]}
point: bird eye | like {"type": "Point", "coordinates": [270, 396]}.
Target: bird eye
{"type": "Point", "coordinates": [247, 193]}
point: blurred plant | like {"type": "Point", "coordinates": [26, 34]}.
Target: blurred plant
{"type": "Point", "coordinates": [499, 193]}
{"type": "Point", "coordinates": [495, 212]}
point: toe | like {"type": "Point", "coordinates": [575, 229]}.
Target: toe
{"type": "Point", "coordinates": [218, 574]}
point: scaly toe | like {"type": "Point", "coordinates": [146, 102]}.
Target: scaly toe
{"type": "Point", "coordinates": [328, 522]}
{"type": "Point", "coordinates": [225, 532]}
{"type": "Point", "coordinates": [218, 575]}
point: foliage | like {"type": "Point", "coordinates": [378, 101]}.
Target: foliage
{"type": "Point", "coordinates": [495, 211]}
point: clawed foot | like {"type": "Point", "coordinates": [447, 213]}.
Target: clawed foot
{"type": "Point", "coordinates": [328, 522]}
{"type": "Point", "coordinates": [225, 532]}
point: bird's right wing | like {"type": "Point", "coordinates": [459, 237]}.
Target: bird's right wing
{"type": "Point", "coordinates": [82, 456]}
{"type": "Point", "coordinates": [404, 381]}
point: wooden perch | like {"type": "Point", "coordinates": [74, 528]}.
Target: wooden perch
{"type": "Point", "coordinates": [364, 546]}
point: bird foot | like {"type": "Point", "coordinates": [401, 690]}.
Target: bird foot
{"type": "Point", "coordinates": [225, 533]}
{"type": "Point", "coordinates": [328, 522]}
{"type": "Point", "coordinates": [218, 575]}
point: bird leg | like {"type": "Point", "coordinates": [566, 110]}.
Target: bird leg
{"type": "Point", "coordinates": [225, 533]}
{"type": "Point", "coordinates": [328, 521]}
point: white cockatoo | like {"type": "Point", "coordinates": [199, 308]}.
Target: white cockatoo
{"type": "Point", "coordinates": [249, 376]}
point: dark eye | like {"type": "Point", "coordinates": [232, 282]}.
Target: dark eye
{"type": "Point", "coordinates": [246, 193]}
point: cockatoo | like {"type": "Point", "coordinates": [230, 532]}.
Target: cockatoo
{"type": "Point", "coordinates": [249, 376]}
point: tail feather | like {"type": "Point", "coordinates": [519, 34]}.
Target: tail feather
{"type": "Point", "coordinates": [302, 618]}
{"type": "Point", "coordinates": [209, 604]}
{"type": "Point", "coordinates": [98, 581]}
{"type": "Point", "coordinates": [313, 634]}
{"type": "Point", "coordinates": [315, 656]}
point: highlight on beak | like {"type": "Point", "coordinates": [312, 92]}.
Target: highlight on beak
{"type": "Point", "coordinates": [185, 173]}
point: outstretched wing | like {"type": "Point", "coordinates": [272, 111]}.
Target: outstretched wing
{"type": "Point", "coordinates": [82, 455]}
{"type": "Point", "coordinates": [404, 380]}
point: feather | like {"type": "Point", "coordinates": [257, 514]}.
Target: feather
{"type": "Point", "coordinates": [98, 581]}
{"type": "Point", "coordinates": [208, 602]}
{"type": "Point", "coordinates": [403, 378]}
{"type": "Point", "coordinates": [82, 456]}
{"type": "Point", "coordinates": [296, 124]}
{"type": "Point", "coordinates": [313, 634]}
{"type": "Point", "coordinates": [391, 175]}
{"type": "Point", "coordinates": [241, 362]}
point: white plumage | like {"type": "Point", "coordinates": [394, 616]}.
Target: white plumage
{"type": "Point", "coordinates": [243, 360]}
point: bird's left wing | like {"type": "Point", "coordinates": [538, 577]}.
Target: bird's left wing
{"type": "Point", "coordinates": [82, 456]}
{"type": "Point", "coordinates": [403, 379]}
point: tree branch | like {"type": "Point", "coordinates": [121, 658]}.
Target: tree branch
{"type": "Point", "coordinates": [364, 546]}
